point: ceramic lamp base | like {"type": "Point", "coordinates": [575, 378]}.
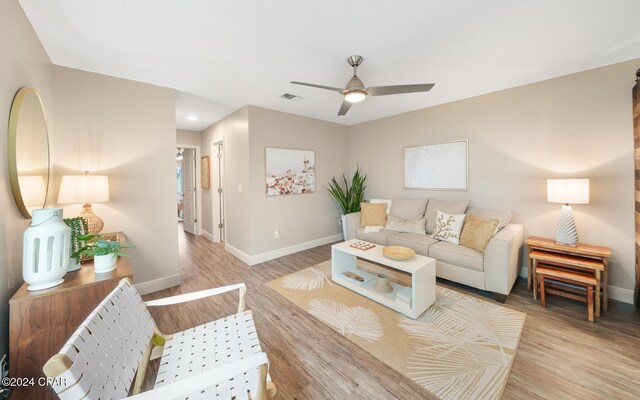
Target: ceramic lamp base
{"type": "Point", "coordinates": [566, 232]}
{"type": "Point", "coordinates": [94, 223]}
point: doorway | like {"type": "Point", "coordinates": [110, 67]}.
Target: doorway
{"type": "Point", "coordinates": [217, 195]}
{"type": "Point", "coordinates": [188, 180]}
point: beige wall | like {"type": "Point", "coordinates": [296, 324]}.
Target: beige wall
{"type": "Point", "coordinates": [192, 138]}
{"type": "Point", "coordinates": [579, 125]}
{"type": "Point", "coordinates": [234, 130]}
{"type": "Point", "coordinates": [23, 63]}
{"type": "Point", "coordinates": [299, 218]}
{"type": "Point", "coordinates": [132, 139]}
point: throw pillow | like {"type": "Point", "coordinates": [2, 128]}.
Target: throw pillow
{"type": "Point", "coordinates": [373, 214]}
{"type": "Point", "coordinates": [477, 232]}
{"type": "Point", "coordinates": [386, 201]}
{"type": "Point", "coordinates": [448, 227]}
{"type": "Point", "coordinates": [415, 225]}
{"type": "Point", "coordinates": [449, 207]}
{"type": "Point", "coordinates": [503, 216]}
{"type": "Point", "coordinates": [408, 208]}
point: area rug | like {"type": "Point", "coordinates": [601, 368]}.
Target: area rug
{"type": "Point", "coordinates": [462, 347]}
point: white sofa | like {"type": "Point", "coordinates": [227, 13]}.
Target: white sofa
{"type": "Point", "coordinates": [495, 271]}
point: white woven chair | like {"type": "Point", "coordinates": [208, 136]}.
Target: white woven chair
{"type": "Point", "coordinates": [221, 359]}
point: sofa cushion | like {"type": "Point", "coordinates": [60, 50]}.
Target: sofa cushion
{"type": "Point", "coordinates": [503, 216]}
{"type": "Point", "coordinates": [375, 237]}
{"type": "Point", "coordinates": [457, 255]}
{"type": "Point", "coordinates": [373, 214]}
{"type": "Point", "coordinates": [477, 232]}
{"type": "Point", "coordinates": [449, 207]}
{"type": "Point", "coordinates": [388, 202]}
{"type": "Point", "coordinates": [415, 225]}
{"type": "Point", "coordinates": [408, 208]}
{"type": "Point", "coordinates": [448, 227]}
{"type": "Point", "coordinates": [419, 243]}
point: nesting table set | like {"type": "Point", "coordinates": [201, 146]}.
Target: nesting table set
{"type": "Point", "coordinates": [563, 270]}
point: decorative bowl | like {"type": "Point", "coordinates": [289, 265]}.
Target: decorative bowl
{"type": "Point", "coordinates": [399, 253]}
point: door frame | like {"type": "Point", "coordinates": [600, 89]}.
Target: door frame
{"type": "Point", "coordinates": [198, 185]}
{"type": "Point", "coordinates": [215, 219]}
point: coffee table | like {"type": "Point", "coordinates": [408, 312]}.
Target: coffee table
{"type": "Point", "coordinates": [411, 301]}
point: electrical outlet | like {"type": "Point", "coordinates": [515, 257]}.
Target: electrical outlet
{"type": "Point", "coordinates": [276, 234]}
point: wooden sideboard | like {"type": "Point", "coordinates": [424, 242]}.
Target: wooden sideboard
{"type": "Point", "coordinates": [41, 322]}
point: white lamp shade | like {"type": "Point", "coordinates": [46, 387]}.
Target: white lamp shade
{"type": "Point", "coordinates": [568, 191]}
{"type": "Point", "coordinates": [79, 189]}
{"type": "Point", "coordinates": [32, 190]}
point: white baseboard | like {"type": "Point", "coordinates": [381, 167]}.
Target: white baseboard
{"type": "Point", "coordinates": [621, 294]}
{"type": "Point", "coordinates": [284, 251]}
{"type": "Point", "coordinates": [208, 235]}
{"type": "Point", "coordinates": [159, 284]}
{"type": "Point", "coordinates": [615, 292]}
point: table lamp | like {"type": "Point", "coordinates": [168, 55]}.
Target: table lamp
{"type": "Point", "coordinates": [85, 189]}
{"type": "Point", "coordinates": [567, 191]}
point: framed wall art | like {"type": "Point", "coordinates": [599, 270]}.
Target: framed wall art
{"type": "Point", "coordinates": [205, 174]}
{"type": "Point", "coordinates": [289, 171]}
{"type": "Point", "coordinates": [439, 166]}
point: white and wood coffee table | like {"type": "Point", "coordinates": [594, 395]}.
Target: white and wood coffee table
{"type": "Point", "coordinates": [411, 301]}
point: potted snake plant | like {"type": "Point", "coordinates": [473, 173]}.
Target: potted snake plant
{"type": "Point", "coordinates": [105, 253]}
{"type": "Point", "coordinates": [350, 197]}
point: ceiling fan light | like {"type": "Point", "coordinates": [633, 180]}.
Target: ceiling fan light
{"type": "Point", "coordinates": [355, 96]}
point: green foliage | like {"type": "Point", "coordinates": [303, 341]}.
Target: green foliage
{"type": "Point", "coordinates": [350, 197]}
{"type": "Point", "coordinates": [96, 245]}
{"type": "Point", "coordinates": [78, 228]}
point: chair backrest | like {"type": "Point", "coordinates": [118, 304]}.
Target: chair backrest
{"type": "Point", "coordinates": [102, 356]}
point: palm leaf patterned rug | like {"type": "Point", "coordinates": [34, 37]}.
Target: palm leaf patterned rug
{"type": "Point", "coordinates": [462, 347]}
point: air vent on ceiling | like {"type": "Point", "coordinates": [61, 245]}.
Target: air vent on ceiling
{"type": "Point", "coordinates": [289, 96]}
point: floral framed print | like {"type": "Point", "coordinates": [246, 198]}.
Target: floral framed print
{"type": "Point", "coordinates": [289, 171]}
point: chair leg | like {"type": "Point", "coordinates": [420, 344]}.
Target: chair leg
{"type": "Point", "coordinates": [590, 302]}
{"type": "Point", "coordinates": [543, 297]}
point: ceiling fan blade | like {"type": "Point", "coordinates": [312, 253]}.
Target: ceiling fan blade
{"type": "Point", "coordinates": [335, 89]}
{"type": "Point", "coordinates": [344, 107]}
{"type": "Point", "coordinates": [399, 89]}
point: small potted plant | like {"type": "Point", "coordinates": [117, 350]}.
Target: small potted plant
{"type": "Point", "coordinates": [350, 197]}
{"type": "Point", "coordinates": [78, 227]}
{"type": "Point", "coordinates": [105, 253]}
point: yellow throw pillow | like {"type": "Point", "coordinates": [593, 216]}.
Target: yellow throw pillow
{"type": "Point", "coordinates": [373, 214]}
{"type": "Point", "coordinates": [477, 232]}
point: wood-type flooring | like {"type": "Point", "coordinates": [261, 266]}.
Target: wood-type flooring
{"type": "Point", "coordinates": [561, 355]}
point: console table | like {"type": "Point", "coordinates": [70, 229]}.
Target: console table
{"type": "Point", "coordinates": [40, 322]}
{"type": "Point", "coordinates": [587, 257]}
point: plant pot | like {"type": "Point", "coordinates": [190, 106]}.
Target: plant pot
{"type": "Point", "coordinates": [73, 265]}
{"type": "Point", "coordinates": [105, 263]}
{"type": "Point", "coordinates": [343, 218]}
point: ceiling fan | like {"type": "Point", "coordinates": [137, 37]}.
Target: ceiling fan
{"type": "Point", "coordinates": [355, 91]}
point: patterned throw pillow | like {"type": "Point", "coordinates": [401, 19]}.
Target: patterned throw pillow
{"type": "Point", "coordinates": [477, 232]}
{"type": "Point", "coordinates": [373, 214]}
{"type": "Point", "coordinates": [448, 227]}
{"type": "Point", "coordinates": [416, 225]}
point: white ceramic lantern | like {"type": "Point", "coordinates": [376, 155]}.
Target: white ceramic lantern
{"type": "Point", "coordinates": [45, 249]}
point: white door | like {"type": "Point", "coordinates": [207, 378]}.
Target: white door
{"type": "Point", "coordinates": [189, 176]}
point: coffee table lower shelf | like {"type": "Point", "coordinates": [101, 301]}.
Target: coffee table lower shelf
{"type": "Point", "coordinates": [413, 300]}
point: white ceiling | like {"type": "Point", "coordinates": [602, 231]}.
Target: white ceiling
{"type": "Point", "coordinates": [232, 53]}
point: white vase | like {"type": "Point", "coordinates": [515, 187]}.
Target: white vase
{"type": "Point", "coordinates": [45, 249]}
{"type": "Point", "coordinates": [382, 284]}
{"type": "Point", "coordinates": [105, 263]}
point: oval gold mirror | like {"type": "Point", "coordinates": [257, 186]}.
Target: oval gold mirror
{"type": "Point", "coordinates": [28, 151]}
